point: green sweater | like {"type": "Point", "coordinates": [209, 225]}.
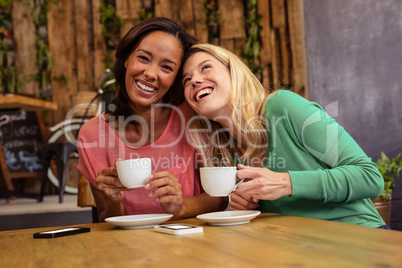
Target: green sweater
{"type": "Point", "coordinates": [332, 178]}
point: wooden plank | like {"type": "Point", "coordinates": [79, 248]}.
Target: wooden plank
{"type": "Point", "coordinates": [297, 43]}
{"type": "Point", "coordinates": [166, 8]}
{"type": "Point", "coordinates": [25, 48]}
{"type": "Point", "coordinates": [122, 9]}
{"type": "Point", "coordinates": [186, 17]}
{"type": "Point", "coordinates": [61, 50]}
{"type": "Point", "coordinates": [81, 46]}
{"type": "Point", "coordinates": [232, 14]}
{"type": "Point", "coordinates": [228, 44]}
{"type": "Point", "coordinates": [129, 13]}
{"type": "Point", "coordinates": [127, 25]}
{"type": "Point", "coordinates": [275, 59]}
{"type": "Point", "coordinates": [99, 42]}
{"type": "Point", "coordinates": [4, 171]}
{"type": "Point", "coordinates": [265, 79]}
{"type": "Point", "coordinates": [265, 50]}
{"type": "Point", "coordinates": [199, 19]}
{"type": "Point", "coordinates": [285, 66]}
{"type": "Point", "coordinates": [278, 13]}
{"type": "Point", "coordinates": [239, 44]}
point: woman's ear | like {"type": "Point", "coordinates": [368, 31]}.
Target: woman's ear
{"type": "Point", "coordinates": [125, 64]}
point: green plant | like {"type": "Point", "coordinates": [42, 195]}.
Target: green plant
{"type": "Point", "coordinates": [110, 29]}
{"type": "Point", "coordinates": [213, 20]}
{"type": "Point", "coordinates": [388, 169]}
{"type": "Point", "coordinates": [147, 10]}
{"type": "Point", "coordinates": [62, 78]}
{"type": "Point", "coordinates": [43, 59]}
{"type": "Point", "coordinates": [251, 51]}
{"type": "Point", "coordinates": [8, 70]}
{"type": "Point", "coordinates": [145, 14]}
{"type": "Point", "coordinates": [5, 3]}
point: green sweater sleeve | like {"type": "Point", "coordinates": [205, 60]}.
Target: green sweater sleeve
{"type": "Point", "coordinates": [346, 173]}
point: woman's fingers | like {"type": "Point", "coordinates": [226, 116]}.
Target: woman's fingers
{"type": "Point", "coordinates": [268, 186]}
{"type": "Point", "coordinates": [109, 184]}
{"type": "Point", "coordinates": [240, 200]}
{"type": "Point", "coordinates": [167, 190]}
{"type": "Point", "coordinates": [164, 184]}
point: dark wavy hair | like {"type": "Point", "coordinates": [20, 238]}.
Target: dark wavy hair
{"type": "Point", "coordinates": [175, 95]}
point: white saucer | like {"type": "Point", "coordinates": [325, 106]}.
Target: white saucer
{"type": "Point", "coordinates": [226, 218]}
{"type": "Point", "coordinates": [138, 221]}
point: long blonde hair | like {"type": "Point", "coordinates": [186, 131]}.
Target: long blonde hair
{"type": "Point", "coordinates": [247, 102]}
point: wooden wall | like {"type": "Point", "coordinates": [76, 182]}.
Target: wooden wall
{"type": "Point", "coordinates": [78, 47]}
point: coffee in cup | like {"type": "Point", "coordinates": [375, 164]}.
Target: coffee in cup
{"type": "Point", "coordinates": [134, 173]}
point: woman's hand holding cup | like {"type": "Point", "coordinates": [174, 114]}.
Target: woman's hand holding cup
{"type": "Point", "coordinates": [127, 174]}
{"type": "Point", "coordinates": [264, 184]}
{"type": "Point", "coordinates": [167, 190]}
{"type": "Point", "coordinates": [109, 183]}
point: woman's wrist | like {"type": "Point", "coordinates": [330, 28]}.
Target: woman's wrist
{"type": "Point", "coordinates": [183, 209]}
{"type": "Point", "coordinates": [288, 184]}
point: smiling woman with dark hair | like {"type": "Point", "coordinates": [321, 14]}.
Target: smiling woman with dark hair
{"type": "Point", "coordinates": [146, 120]}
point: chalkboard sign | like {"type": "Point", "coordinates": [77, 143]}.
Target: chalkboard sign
{"type": "Point", "coordinates": [21, 141]}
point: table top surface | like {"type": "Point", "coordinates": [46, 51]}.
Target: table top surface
{"type": "Point", "coordinates": [270, 240]}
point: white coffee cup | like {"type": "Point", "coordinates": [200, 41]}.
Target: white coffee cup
{"type": "Point", "coordinates": [218, 181]}
{"type": "Point", "coordinates": [134, 173]}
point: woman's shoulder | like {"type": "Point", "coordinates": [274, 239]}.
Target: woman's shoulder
{"type": "Point", "coordinates": [93, 121]}
{"type": "Point", "coordinates": [91, 127]}
{"type": "Point", "coordinates": [183, 111]}
{"type": "Point", "coordinates": [284, 97]}
{"type": "Point", "coordinates": [184, 107]}
{"type": "Point", "coordinates": [287, 102]}
{"type": "Point", "coordinates": [283, 100]}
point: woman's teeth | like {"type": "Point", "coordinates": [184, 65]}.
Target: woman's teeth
{"type": "Point", "coordinates": [146, 88]}
{"type": "Point", "coordinates": [202, 94]}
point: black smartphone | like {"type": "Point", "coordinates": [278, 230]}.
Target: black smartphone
{"type": "Point", "coordinates": [61, 232]}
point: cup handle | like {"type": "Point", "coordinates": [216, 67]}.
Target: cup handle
{"type": "Point", "coordinates": [237, 184]}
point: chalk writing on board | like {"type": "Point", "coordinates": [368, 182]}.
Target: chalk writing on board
{"type": "Point", "coordinates": [11, 159]}
{"type": "Point", "coordinates": [21, 141]}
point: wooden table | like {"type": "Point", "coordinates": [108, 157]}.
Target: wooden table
{"type": "Point", "coordinates": [270, 240]}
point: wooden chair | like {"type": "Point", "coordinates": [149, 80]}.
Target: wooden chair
{"type": "Point", "coordinates": [86, 199]}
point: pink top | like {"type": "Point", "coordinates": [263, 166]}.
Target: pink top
{"type": "Point", "coordinates": [99, 147]}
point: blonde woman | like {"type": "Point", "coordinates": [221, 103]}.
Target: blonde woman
{"type": "Point", "coordinates": [299, 160]}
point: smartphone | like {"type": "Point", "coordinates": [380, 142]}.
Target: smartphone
{"type": "Point", "coordinates": [178, 229]}
{"type": "Point", "coordinates": [61, 232]}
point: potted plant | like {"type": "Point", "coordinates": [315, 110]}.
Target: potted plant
{"type": "Point", "coordinates": [388, 169]}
